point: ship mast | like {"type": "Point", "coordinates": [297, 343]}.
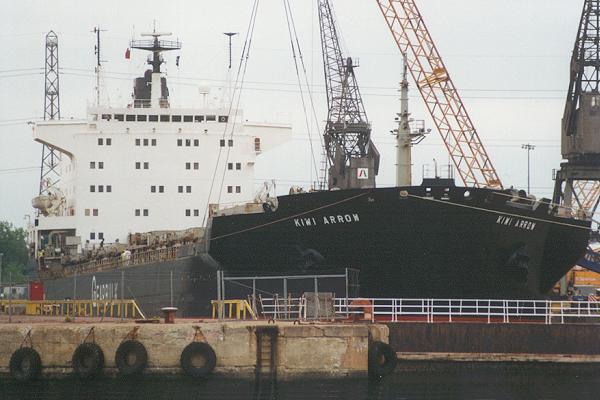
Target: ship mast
{"type": "Point", "coordinates": [158, 94]}
{"type": "Point", "coordinates": [405, 136]}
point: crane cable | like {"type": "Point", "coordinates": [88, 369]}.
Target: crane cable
{"type": "Point", "coordinates": [237, 90]}
{"type": "Point", "coordinates": [295, 46]}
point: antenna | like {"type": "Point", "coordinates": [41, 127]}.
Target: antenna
{"type": "Point", "coordinates": [99, 61]}
{"type": "Point", "coordinates": [49, 173]}
{"type": "Point", "coordinates": [230, 35]}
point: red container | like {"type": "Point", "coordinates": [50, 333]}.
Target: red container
{"type": "Point", "coordinates": [36, 290]}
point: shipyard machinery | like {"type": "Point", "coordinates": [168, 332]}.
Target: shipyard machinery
{"type": "Point", "coordinates": [352, 157]}
{"type": "Point", "coordinates": [439, 93]}
{"type": "Point", "coordinates": [578, 181]}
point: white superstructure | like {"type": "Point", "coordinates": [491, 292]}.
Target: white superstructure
{"type": "Point", "coordinates": [147, 167]}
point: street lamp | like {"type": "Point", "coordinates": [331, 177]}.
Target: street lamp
{"type": "Point", "coordinates": [528, 147]}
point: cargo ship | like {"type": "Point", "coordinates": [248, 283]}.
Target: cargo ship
{"type": "Point", "coordinates": [127, 217]}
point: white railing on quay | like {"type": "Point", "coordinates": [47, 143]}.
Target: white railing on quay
{"type": "Point", "coordinates": [440, 310]}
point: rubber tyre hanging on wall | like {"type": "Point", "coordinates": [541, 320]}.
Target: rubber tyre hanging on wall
{"type": "Point", "coordinates": [382, 359]}
{"type": "Point", "coordinates": [88, 360]}
{"type": "Point", "coordinates": [25, 364]}
{"type": "Point", "coordinates": [198, 359]}
{"type": "Point", "coordinates": [131, 358]}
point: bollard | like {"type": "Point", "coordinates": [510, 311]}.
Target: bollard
{"type": "Point", "coordinates": [169, 314]}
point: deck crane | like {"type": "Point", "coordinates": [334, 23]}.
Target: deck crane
{"type": "Point", "coordinates": [578, 181]}
{"type": "Point", "coordinates": [353, 158]}
{"type": "Point", "coordinates": [439, 93]}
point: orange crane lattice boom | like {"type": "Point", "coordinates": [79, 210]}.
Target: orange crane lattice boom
{"type": "Point", "coordinates": [439, 93]}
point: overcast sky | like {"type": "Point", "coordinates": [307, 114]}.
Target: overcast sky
{"type": "Point", "coordinates": [508, 58]}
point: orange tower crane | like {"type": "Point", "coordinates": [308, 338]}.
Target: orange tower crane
{"type": "Point", "coordinates": [439, 93]}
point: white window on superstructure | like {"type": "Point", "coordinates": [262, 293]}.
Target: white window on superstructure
{"type": "Point", "coordinates": [138, 165]}
{"type": "Point", "coordinates": [211, 118]}
{"type": "Point", "coordinates": [142, 118]}
{"type": "Point", "coordinates": [153, 118]}
{"type": "Point", "coordinates": [196, 165]}
{"type": "Point", "coordinates": [188, 213]}
{"type": "Point", "coordinates": [230, 166]}
{"type": "Point", "coordinates": [100, 235]}
{"type": "Point", "coordinates": [152, 189]}
{"type": "Point", "coordinates": [86, 212]}
{"type": "Point", "coordinates": [146, 142]}
{"type": "Point", "coordinates": [179, 189]}
{"type": "Point", "coordinates": [92, 188]}
{"type": "Point", "coordinates": [175, 118]}
{"type": "Point", "coordinates": [146, 165]}
{"type": "Point", "coordinates": [100, 142]}
{"type": "Point", "coordinates": [100, 188]}
{"type": "Point", "coordinates": [100, 165]}
{"type": "Point", "coordinates": [92, 165]}
{"type": "Point", "coordinates": [92, 235]}
{"type": "Point", "coordinates": [161, 189]}
{"type": "Point", "coordinates": [188, 165]}
{"type": "Point", "coordinates": [222, 142]}
{"type": "Point", "coordinates": [146, 212]}
{"type": "Point", "coordinates": [196, 213]}
{"type": "Point", "coordinates": [229, 189]}
{"type": "Point", "coordinates": [109, 188]}
{"type": "Point", "coordinates": [179, 142]}
{"type": "Point", "coordinates": [137, 212]}
{"type": "Point", "coordinates": [95, 212]}
{"type": "Point", "coordinates": [188, 118]}
{"type": "Point", "coordinates": [129, 117]}
{"type": "Point", "coordinates": [188, 189]}
{"type": "Point", "coordinates": [138, 142]}
{"type": "Point", "coordinates": [196, 142]}
{"type": "Point", "coordinates": [188, 142]}
{"type": "Point", "coordinates": [165, 118]}
{"type": "Point", "coordinates": [119, 117]}
{"type": "Point", "coordinates": [230, 143]}
{"type": "Point", "coordinates": [238, 166]}
{"type": "Point", "coordinates": [153, 142]}
{"type": "Point", "coordinates": [238, 189]}
{"type": "Point", "coordinates": [108, 141]}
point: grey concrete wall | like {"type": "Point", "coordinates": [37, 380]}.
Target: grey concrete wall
{"type": "Point", "coordinates": [303, 350]}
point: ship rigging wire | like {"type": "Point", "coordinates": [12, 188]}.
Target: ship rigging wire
{"type": "Point", "coordinates": [295, 47]}
{"type": "Point", "coordinates": [237, 91]}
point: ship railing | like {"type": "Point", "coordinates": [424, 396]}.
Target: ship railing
{"type": "Point", "coordinates": [468, 310]}
{"type": "Point", "coordinates": [119, 261]}
{"type": "Point", "coordinates": [115, 308]}
{"type": "Point", "coordinates": [280, 308]}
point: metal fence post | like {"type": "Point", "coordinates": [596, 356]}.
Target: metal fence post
{"type": "Point", "coordinates": [10, 297]}
{"type": "Point", "coordinates": [122, 293]}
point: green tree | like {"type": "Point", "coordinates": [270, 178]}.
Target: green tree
{"type": "Point", "coordinates": [14, 248]}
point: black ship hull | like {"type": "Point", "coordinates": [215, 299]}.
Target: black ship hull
{"type": "Point", "coordinates": [188, 283]}
{"type": "Point", "coordinates": [438, 241]}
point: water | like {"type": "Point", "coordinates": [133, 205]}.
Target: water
{"type": "Point", "coordinates": [477, 381]}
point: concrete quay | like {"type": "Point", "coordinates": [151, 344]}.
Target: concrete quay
{"type": "Point", "coordinates": [299, 350]}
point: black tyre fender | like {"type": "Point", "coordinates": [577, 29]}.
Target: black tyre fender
{"type": "Point", "coordinates": [198, 359]}
{"type": "Point", "coordinates": [382, 359]}
{"type": "Point", "coordinates": [88, 360]}
{"type": "Point", "coordinates": [25, 364]}
{"type": "Point", "coordinates": [131, 358]}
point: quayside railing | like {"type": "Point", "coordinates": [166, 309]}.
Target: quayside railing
{"type": "Point", "coordinates": [434, 310]}
{"type": "Point", "coordinates": [73, 308]}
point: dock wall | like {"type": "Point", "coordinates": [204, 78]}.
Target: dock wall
{"type": "Point", "coordinates": [326, 350]}
{"type": "Point", "coordinates": [496, 342]}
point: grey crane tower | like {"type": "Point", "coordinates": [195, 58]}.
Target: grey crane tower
{"type": "Point", "coordinates": [580, 137]}
{"type": "Point", "coordinates": [49, 171]}
{"type": "Point", "coordinates": [352, 156]}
